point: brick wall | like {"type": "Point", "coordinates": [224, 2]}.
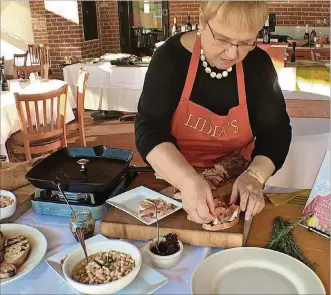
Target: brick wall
{"type": "Point", "coordinates": [300, 12]}
{"type": "Point", "coordinates": [109, 26]}
{"type": "Point", "coordinates": [66, 38]}
{"type": "Point", "coordinates": [288, 12]}
{"type": "Point", "coordinates": [39, 24]}
{"type": "Point", "coordinates": [179, 9]}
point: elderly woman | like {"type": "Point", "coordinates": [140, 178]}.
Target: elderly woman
{"type": "Point", "coordinates": [209, 94]}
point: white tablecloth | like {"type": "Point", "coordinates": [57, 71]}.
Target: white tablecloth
{"type": "Point", "coordinates": [9, 115]}
{"type": "Point", "coordinates": [41, 86]}
{"type": "Point", "coordinates": [311, 138]}
{"type": "Point", "coordinates": [119, 88]}
{"type": "Point", "coordinates": [43, 280]}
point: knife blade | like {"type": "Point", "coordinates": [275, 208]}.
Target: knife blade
{"type": "Point", "coordinates": [247, 227]}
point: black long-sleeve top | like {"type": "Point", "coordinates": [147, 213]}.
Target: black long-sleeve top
{"type": "Point", "coordinates": [164, 83]}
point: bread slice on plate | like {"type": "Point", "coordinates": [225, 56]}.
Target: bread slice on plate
{"type": "Point", "coordinates": [2, 241]}
{"type": "Point", "coordinates": [17, 250]}
{"type": "Point", "coordinates": [14, 239]}
{"type": "Point", "coordinates": [2, 247]}
{"type": "Point", "coordinates": [7, 270]}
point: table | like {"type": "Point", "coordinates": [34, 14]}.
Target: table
{"type": "Point", "coordinates": [9, 115]}
{"type": "Point", "coordinates": [108, 87]}
{"type": "Point", "coordinates": [42, 280]}
{"type": "Point", "coordinates": [119, 88]}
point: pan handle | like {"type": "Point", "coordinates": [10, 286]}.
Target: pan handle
{"type": "Point", "coordinates": [140, 169]}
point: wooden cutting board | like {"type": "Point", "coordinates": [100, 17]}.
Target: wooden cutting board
{"type": "Point", "coordinates": [23, 202]}
{"type": "Point", "coordinates": [118, 224]}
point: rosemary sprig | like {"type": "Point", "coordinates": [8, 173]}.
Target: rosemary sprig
{"type": "Point", "coordinates": [282, 240]}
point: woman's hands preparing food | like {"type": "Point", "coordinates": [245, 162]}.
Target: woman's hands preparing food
{"type": "Point", "coordinates": [250, 191]}
{"type": "Point", "coordinates": [197, 199]}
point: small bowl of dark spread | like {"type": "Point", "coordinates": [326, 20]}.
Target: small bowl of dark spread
{"type": "Point", "coordinates": [166, 253]}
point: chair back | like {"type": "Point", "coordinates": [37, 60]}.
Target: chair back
{"type": "Point", "coordinates": [20, 59]}
{"type": "Point", "coordinates": [34, 54]}
{"type": "Point", "coordinates": [44, 56]}
{"type": "Point", "coordinates": [81, 88]}
{"type": "Point", "coordinates": [42, 116]}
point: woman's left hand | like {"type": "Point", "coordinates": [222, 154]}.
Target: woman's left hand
{"type": "Point", "coordinates": [251, 195]}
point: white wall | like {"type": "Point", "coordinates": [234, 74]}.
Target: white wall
{"type": "Point", "coordinates": [16, 30]}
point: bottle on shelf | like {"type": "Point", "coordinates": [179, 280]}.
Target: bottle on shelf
{"type": "Point", "coordinates": [313, 37]}
{"type": "Point", "coordinates": [188, 26]}
{"type": "Point", "coordinates": [266, 32]}
{"type": "Point", "coordinates": [197, 27]}
{"type": "Point", "coordinates": [306, 36]}
{"type": "Point", "coordinates": [174, 28]}
{"type": "Point", "coordinates": [293, 56]}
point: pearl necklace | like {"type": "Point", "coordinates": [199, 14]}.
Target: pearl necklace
{"type": "Point", "coordinates": [209, 71]}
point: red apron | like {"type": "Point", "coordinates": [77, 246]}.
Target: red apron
{"type": "Point", "coordinates": [204, 137]}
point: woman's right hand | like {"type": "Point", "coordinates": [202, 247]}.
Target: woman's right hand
{"type": "Point", "coordinates": [197, 199]}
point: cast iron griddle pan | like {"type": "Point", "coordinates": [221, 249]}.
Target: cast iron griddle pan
{"type": "Point", "coordinates": [83, 169]}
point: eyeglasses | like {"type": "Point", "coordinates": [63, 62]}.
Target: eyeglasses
{"type": "Point", "coordinates": [242, 47]}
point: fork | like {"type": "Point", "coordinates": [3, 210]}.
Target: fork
{"type": "Point", "coordinates": [157, 225]}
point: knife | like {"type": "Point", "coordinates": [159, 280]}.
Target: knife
{"type": "Point", "coordinates": [247, 227]}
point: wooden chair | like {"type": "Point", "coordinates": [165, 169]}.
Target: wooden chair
{"type": "Point", "coordinates": [47, 132]}
{"type": "Point", "coordinates": [78, 123]}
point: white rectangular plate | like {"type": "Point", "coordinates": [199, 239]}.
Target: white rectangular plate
{"type": "Point", "coordinates": [147, 281]}
{"type": "Point", "coordinates": [129, 202]}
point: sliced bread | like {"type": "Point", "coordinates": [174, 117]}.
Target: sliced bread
{"type": "Point", "coordinates": [7, 270]}
{"type": "Point", "coordinates": [17, 250]}
{"type": "Point", "coordinates": [2, 241]}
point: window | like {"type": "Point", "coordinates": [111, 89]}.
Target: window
{"type": "Point", "coordinates": [90, 21]}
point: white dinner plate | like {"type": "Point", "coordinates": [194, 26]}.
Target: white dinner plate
{"type": "Point", "coordinates": [254, 271]}
{"type": "Point", "coordinates": [147, 281]}
{"type": "Point", "coordinates": [129, 202]}
{"type": "Point", "coordinates": [38, 250]}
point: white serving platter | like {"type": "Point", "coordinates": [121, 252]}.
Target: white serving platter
{"type": "Point", "coordinates": [129, 203]}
